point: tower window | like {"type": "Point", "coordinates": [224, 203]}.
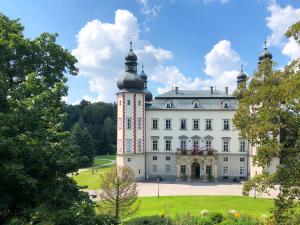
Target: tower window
{"type": "Point", "coordinates": [139, 123]}
{"type": "Point", "coordinates": [139, 102]}
{"type": "Point", "coordinates": [128, 102]}
{"type": "Point", "coordinates": [129, 145]}
{"type": "Point", "coordinates": [139, 145]}
{"type": "Point", "coordinates": [128, 123]}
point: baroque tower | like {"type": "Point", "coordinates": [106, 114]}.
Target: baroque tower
{"type": "Point", "coordinates": [131, 118]}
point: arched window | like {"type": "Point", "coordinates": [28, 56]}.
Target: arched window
{"type": "Point", "coordinates": [168, 104]}
{"type": "Point", "coordinates": [196, 104]}
{"type": "Point", "coordinates": [225, 105]}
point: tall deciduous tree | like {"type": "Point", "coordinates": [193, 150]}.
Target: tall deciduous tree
{"type": "Point", "coordinates": [119, 192]}
{"type": "Point", "coordinates": [269, 116]}
{"type": "Point", "coordinates": [35, 153]}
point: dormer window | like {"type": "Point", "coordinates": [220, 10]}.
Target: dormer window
{"type": "Point", "coordinates": [195, 104]}
{"type": "Point", "coordinates": [226, 105]}
{"type": "Point", "coordinates": [169, 104]}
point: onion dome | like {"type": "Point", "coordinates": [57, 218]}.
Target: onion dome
{"type": "Point", "coordinates": [130, 79]}
{"type": "Point", "coordinates": [148, 94]}
{"type": "Point", "coordinates": [242, 76]}
{"type": "Point", "coordinates": [266, 54]}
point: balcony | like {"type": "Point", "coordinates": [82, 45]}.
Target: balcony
{"type": "Point", "coordinates": [196, 152]}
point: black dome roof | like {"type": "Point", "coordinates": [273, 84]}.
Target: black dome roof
{"type": "Point", "coordinates": [242, 76]}
{"type": "Point", "coordinates": [265, 54]}
{"type": "Point", "coordinates": [130, 81]}
{"type": "Point", "coordinates": [131, 56]}
{"type": "Point", "coordinates": [148, 95]}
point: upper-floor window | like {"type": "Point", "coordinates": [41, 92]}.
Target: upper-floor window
{"type": "Point", "coordinates": [242, 146]}
{"type": "Point", "coordinates": [225, 105]}
{"type": "Point", "coordinates": [242, 159]}
{"type": "Point", "coordinates": [168, 124]}
{"type": "Point", "coordinates": [139, 145]}
{"type": "Point", "coordinates": [196, 124]}
{"type": "Point", "coordinates": [168, 158]}
{"type": "Point", "coordinates": [226, 124]}
{"type": "Point", "coordinates": [208, 124]}
{"type": "Point", "coordinates": [168, 104]}
{"type": "Point", "coordinates": [139, 123]}
{"type": "Point", "coordinates": [226, 145]}
{"type": "Point", "coordinates": [155, 124]}
{"type": "Point", "coordinates": [120, 123]}
{"type": "Point", "coordinates": [183, 124]}
{"type": "Point", "coordinates": [139, 102]}
{"type": "Point", "coordinates": [128, 102]}
{"type": "Point", "coordinates": [225, 159]}
{"type": "Point", "coordinates": [208, 145]}
{"type": "Point", "coordinates": [129, 145]}
{"type": "Point", "coordinates": [154, 157]}
{"type": "Point", "coordinates": [154, 145]}
{"type": "Point", "coordinates": [128, 123]}
{"type": "Point", "coordinates": [195, 144]}
{"type": "Point", "coordinates": [183, 144]}
{"type": "Point", "coordinates": [168, 145]}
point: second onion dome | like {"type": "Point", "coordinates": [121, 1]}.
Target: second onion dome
{"type": "Point", "coordinates": [148, 94]}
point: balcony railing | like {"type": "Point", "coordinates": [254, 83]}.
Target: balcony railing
{"type": "Point", "coordinates": [181, 151]}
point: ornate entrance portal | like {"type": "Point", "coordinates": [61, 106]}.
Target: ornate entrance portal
{"type": "Point", "coordinates": [195, 170]}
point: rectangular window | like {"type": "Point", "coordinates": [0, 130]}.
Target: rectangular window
{"type": "Point", "coordinates": [139, 102]}
{"type": "Point", "coordinates": [208, 125]}
{"type": "Point", "coordinates": [208, 145]}
{"type": "Point", "coordinates": [154, 168]}
{"type": "Point", "coordinates": [226, 125]}
{"type": "Point", "coordinates": [120, 102]}
{"type": "Point", "coordinates": [168, 145]}
{"type": "Point", "coordinates": [225, 146]}
{"type": "Point", "coordinates": [128, 102]}
{"type": "Point", "coordinates": [196, 145]}
{"type": "Point", "coordinates": [120, 123]}
{"type": "Point", "coordinates": [168, 168]}
{"type": "Point", "coordinates": [128, 145]}
{"type": "Point", "coordinates": [183, 124]}
{"type": "Point", "coordinates": [128, 123]}
{"type": "Point", "coordinates": [154, 157]}
{"type": "Point", "coordinates": [139, 145]}
{"type": "Point", "coordinates": [196, 124]}
{"type": "Point", "coordinates": [242, 146]}
{"type": "Point", "coordinates": [183, 144]}
{"type": "Point", "coordinates": [182, 170]}
{"type": "Point", "coordinates": [154, 145]}
{"type": "Point", "coordinates": [225, 170]}
{"type": "Point", "coordinates": [225, 159]}
{"type": "Point", "coordinates": [242, 170]}
{"type": "Point", "coordinates": [154, 124]}
{"type": "Point", "coordinates": [120, 146]}
{"type": "Point", "coordinates": [242, 159]}
{"type": "Point", "coordinates": [129, 160]}
{"type": "Point", "coordinates": [168, 124]}
{"type": "Point", "coordinates": [139, 123]}
{"type": "Point", "coordinates": [168, 158]}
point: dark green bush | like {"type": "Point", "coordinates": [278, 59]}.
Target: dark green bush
{"type": "Point", "coordinates": [103, 219]}
{"type": "Point", "coordinates": [149, 220]}
{"type": "Point", "coordinates": [192, 220]}
{"type": "Point", "coordinates": [216, 217]}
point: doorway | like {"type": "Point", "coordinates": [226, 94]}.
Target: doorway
{"type": "Point", "coordinates": [195, 170]}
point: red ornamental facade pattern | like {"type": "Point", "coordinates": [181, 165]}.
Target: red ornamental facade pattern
{"type": "Point", "coordinates": [117, 127]}
{"type": "Point", "coordinates": [143, 149]}
{"type": "Point", "coordinates": [134, 123]}
{"type": "Point", "coordinates": [123, 105]}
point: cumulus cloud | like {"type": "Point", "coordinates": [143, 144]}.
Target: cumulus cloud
{"type": "Point", "coordinates": [101, 48]}
{"type": "Point", "coordinates": [279, 20]}
{"type": "Point", "coordinates": [148, 9]}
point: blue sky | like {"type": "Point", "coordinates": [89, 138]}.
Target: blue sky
{"type": "Point", "coordinates": [193, 44]}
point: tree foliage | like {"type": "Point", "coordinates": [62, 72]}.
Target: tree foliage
{"type": "Point", "coordinates": [269, 116]}
{"type": "Point", "coordinates": [99, 119]}
{"type": "Point", "coordinates": [119, 192]}
{"type": "Point", "coordinates": [35, 153]}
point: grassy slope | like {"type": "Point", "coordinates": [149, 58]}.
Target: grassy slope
{"type": "Point", "coordinates": [173, 205]}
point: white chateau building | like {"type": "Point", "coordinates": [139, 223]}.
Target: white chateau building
{"type": "Point", "coordinates": [181, 134]}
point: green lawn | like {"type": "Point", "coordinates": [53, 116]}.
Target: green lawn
{"type": "Point", "coordinates": [90, 177]}
{"type": "Point", "coordinates": [106, 157]}
{"type": "Point", "coordinates": [173, 205]}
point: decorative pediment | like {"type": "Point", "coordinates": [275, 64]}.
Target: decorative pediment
{"type": "Point", "coordinates": [183, 137]}
{"type": "Point", "coordinates": [196, 137]}
{"type": "Point", "coordinates": [208, 137]}
{"type": "Point", "coordinates": [226, 138]}
{"type": "Point", "coordinates": [155, 137]}
{"type": "Point", "coordinates": [168, 137]}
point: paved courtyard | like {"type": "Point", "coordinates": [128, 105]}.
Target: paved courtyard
{"type": "Point", "coordinates": [193, 188]}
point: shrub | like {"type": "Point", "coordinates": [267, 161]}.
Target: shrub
{"type": "Point", "coordinates": [192, 220]}
{"type": "Point", "coordinates": [149, 220]}
{"type": "Point", "coordinates": [216, 217]}
{"type": "Point", "coordinates": [103, 219]}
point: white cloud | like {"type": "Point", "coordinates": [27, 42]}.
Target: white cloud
{"type": "Point", "coordinates": [148, 9]}
{"type": "Point", "coordinates": [280, 19]}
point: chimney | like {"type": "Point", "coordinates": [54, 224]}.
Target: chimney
{"type": "Point", "coordinates": [176, 90]}
{"type": "Point", "coordinates": [211, 90]}
{"type": "Point", "coordinates": [226, 90]}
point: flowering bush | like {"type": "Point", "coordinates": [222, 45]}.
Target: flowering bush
{"type": "Point", "coordinates": [204, 212]}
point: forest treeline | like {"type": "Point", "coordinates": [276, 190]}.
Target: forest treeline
{"type": "Point", "coordinates": [92, 127]}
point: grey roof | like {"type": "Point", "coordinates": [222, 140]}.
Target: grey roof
{"type": "Point", "coordinates": [194, 94]}
{"type": "Point", "coordinates": [184, 99]}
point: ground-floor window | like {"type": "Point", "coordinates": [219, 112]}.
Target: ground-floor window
{"type": "Point", "coordinates": [168, 168]}
{"type": "Point", "coordinates": [209, 170]}
{"type": "Point", "coordinates": [182, 169]}
{"type": "Point", "coordinates": [154, 167]}
{"type": "Point", "coordinates": [225, 170]}
{"type": "Point", "coordinates": [139, 145]}
{"type": "Point", "coordinates": [242, 170]}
